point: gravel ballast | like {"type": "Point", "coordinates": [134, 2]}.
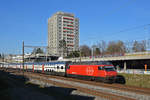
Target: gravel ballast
{"type": "Point", "coordinates": [103, 89]}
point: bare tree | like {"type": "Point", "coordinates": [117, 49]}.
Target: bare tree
{"type": "Point", "coordinates": [102, 47]}
{"type": "Point", "coordinates": [63, 47]}
{"type": "Point", "coordinates": [85, 50]}
{"type": "Point", "coordinates": [121, 47]}
{"type": "Point", "coordinates": [116, 47]}
{"type": "Point", "coordinates": [139, 46]}
{"type": "Point", "coordinates": [111, 47]}
{"type": "Point", "coordinates": [128, 46]}
{"type": "Point", "coordinates": [143, 45]}
{"type": "Point", "coordinates": [97, 52]}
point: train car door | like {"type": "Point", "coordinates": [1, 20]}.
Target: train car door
{"type": "Point", "coordinates": [101, 71]}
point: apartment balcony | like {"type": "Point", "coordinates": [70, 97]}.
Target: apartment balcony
{"type": "Point", "coordinates": [68, 28]}
{"type": "Point", "coordinates": [70, 45]}
{"type": "Point", "coordinates": [68, 18]}
{"type": "Point", "coordinates": [71, 35]}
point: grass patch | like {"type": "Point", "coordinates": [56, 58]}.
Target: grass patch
{"type": "Point", "coordinates": [137, 80]}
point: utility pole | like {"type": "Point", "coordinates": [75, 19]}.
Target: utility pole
{"type": "Point", "coordinates": [47, 52]}
{"type": "Point", "coordinates": [80, 54]}
{"type": "Point", "coordinates": [23, 56]}
{"type": "Point", "coordinates": [3, 59]}
{"type": "Point", "coordinates": [92, 54]}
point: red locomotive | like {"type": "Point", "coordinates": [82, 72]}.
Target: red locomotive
{"type": "Point", "coordinates": [99, 71]}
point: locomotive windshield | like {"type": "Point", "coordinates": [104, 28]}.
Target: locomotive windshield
{"type": "Point", "coordinates": [109, 68]}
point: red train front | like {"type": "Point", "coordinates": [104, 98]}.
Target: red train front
{"type": "Point", "coordinates": [100, 71]}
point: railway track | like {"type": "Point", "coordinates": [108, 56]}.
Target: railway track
{"type": "Point", "coordinates": [113, 86]}
{"type": "Point", "coordinates": [107, 95]}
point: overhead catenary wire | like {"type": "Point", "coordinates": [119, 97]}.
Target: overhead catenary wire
{"type": "Point", "coordinates": [122, 31]}
{"type": "Point", "coordinates": [121, 6]}
{"type": "Point", "coordinates": [133, 28]}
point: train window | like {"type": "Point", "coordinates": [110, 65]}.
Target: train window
{"type": "Point", "coordinates": [61, 67]}
{"type": "Point", "coordinates": [109, 68]}
{"type": "Point", "coordinates": [57, 67]}
{"type": "Point", "coordinates": [100, 68]}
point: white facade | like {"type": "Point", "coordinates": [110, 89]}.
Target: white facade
{"type": "Point", "coordinates": [63, 26]}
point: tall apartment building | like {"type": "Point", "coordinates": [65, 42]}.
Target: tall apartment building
{"type": "Point", "coordinates": [63, 27]}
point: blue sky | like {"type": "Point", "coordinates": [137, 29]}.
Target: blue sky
{"type": "Point", "coordinates": [26, 20]}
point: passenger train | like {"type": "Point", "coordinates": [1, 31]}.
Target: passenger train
{"type": "Point", "coordinates": [91, 70]}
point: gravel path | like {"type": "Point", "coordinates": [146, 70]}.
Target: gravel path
{"type": "Point", "coordinates": [77, 95]}
{"type": "Point", "coordinates": [108, 90]}
{"type": "Point", "coordinates": [103, 89]}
